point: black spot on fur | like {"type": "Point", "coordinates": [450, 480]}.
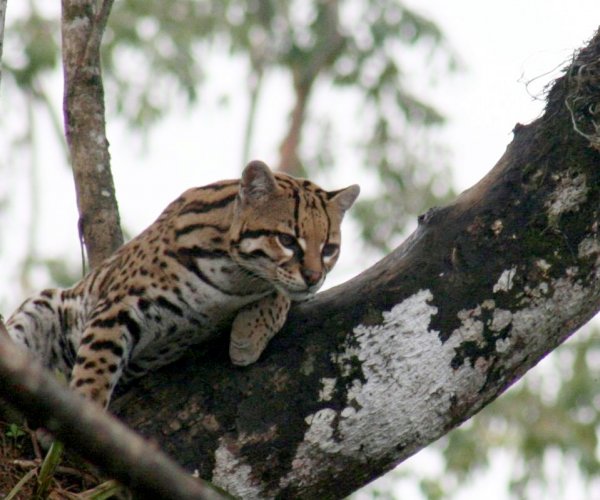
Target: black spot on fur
{"type": "Point", "coordinates": [84, 381]}
{"type": "Point", "coordinates": [87, 339]}
{"type": "Point", "coordinates": [107, 345]}
{"type": "Point", "coordinates": [167, 304]}
{"type": "Point", "coordinates": [125, 319]}
{"type": "Point", "coordinates": [143, 304]}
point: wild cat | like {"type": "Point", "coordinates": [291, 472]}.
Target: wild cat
{"type": "Point", "coordinates": [233, 252]}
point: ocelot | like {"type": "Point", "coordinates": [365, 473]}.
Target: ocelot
{"type": "Point", "coordinates": [235, 252]}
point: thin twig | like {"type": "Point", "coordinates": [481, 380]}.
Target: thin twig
{"type": "Point", "coordinates": [91, 54]}
{"type": "Point", "coordinates": [61, 469]}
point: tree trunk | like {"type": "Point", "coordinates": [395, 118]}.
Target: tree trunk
{"type": "Point", "coordinates": [82, 26]}
{"type": "Point", "coordinates": [289, 160]}
{"type": "Point", "coordinates": [372, 371]}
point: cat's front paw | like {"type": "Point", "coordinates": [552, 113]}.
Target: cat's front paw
{"type": "Point", "coordinates": [243, 353]}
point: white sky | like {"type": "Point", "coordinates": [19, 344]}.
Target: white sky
{"type": "Point", "coordinates": [503, 45]}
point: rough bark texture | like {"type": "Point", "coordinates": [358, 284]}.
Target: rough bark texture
{"type": "Point", "coordinates": [372, 371]}
{"type": "Point", "coordinates": [83, 23]}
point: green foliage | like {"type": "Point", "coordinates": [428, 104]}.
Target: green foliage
{"type": "Point", "coordinates": [160, 40]}
{"type": "Point", "coordinates": [432, 489]}
{"type": "Point", "coordinates": [38, 37]}
{"type": "Point", "coordinates": [411, 180]}
{"type": "Point", "coordinates": [15, 432]}
{"type": "Point", "coordinates": [47, 470]}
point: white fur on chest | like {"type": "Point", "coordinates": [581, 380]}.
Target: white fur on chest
{"type": "Point", "coordinates": [208, 300]}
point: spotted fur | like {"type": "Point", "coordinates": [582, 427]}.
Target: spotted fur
{"type": "Point", "coordinates": [233, 253]}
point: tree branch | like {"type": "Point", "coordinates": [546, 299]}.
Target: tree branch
{"type": "Point", "coordinates": [83, 106]}
{"type": "Point", "coordinates": [305, 72]}
{"type": "Point", "coordinates": [289, 160]}
{"type": "Point", "coordinates": [255, 79]}
{"type": "Point", "coordinates": [94, 434]}
{"type": "Point", "coordinates": [372, 371]}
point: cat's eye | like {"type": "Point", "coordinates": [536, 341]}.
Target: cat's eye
{"type": "Point", "coordinates": [329, 250]}
{"type": "Point", "coordinates": [287, 240]}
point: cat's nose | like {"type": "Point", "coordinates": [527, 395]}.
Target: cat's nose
{"type": "Point", "coordinates": [311, 277]}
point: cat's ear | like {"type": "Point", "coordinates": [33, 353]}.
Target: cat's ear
{"type": "Point", "coordinates": [257, 182]}
{"type": "Point", "coordinates": [343, 199]}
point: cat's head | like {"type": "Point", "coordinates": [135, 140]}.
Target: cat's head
{"type": "Point", "coordinates": [287, 230]}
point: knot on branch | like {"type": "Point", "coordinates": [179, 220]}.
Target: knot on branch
{"type": "Point", "coordinates": [583, 93]}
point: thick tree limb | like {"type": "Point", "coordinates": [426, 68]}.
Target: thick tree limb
{"type": "Point", "coordinates": [96, 435]}
{"type": "Point", "coordinates": [374, 370]}
{"type": "Point", "coordinates": [83, 22]}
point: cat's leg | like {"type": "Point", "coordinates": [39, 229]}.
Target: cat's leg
{"type": "Point", "coordinates": [106, 343]}
{"type": "Point", "coordinates": [255, 325]}
{"type": "Point", "coordinates": [39, 326]}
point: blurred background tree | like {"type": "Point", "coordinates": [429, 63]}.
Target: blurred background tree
{"type": "Point", "coordinates": [155, 57]}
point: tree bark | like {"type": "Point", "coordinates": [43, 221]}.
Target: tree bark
{"type": "Point", "coordinates": [372, 371]}
{"type": "Point", "coordinates": [289, 160]}
{"type": "Point", "coordinates": [83, 22]}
